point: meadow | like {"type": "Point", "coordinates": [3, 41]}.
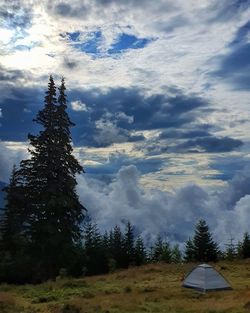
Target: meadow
{"type": "Point", "coordinates": [149, 288]}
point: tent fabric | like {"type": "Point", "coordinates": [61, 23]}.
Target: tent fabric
{"type": "Point", "coordinates": [204, 278]}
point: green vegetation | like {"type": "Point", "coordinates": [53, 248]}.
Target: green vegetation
{"type": "Point", "coordinates": [149, 288]}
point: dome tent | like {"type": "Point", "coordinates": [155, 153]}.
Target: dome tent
{"type": "Point", "coordinates": [205, 278]}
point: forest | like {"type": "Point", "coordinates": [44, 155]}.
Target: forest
{"type": "Point", "coordinates": [45, 231]}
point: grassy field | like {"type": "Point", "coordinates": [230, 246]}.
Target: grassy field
{"type": "Point", "coordinates": [151, 288]}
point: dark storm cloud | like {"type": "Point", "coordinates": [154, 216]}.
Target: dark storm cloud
{"type": "Point", "coordinates": [227, 166]}
{"type": "Point", "coordinates": [116, 161]}
{"type": "Point", "coordinates": [234, 67]}
{"type": "Point", "coordinates": [140, 112]}
{"type": "Point", "coordinates": [210, 144]}
{"type": "Point", "coordinates": [18, 110]}
{"type": "Point", "coordinates": [180, 142]}
{"type": "Point", "coordinates": [199, 131]}
{"type": "Point", "coordinates": [113, 116]}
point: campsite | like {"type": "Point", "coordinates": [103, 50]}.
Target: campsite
{"type": "Point", "coordinates": [125, 156]}
{"type": "Point", "coordinates": [149, 288]}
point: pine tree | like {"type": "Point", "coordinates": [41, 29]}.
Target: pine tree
{"type": "Point", "coordinates": [95, 257]}
{"type": "Point", "coordinates": [12, 220]}
{"type": "Point", "coordinates": [117, 247]}
{"type": "Point", "coordinates": [245, 248]}
{"type": "Point", "coordinates": [189, 251]}
{"type": "Point", "coordinates": [157, 250]}
{"type": "Point", "coordinates": [129, 245]}
{"type": "Point", "coordinates": [166, 253]}
{"type": "Point", "coordinates": [14, 262]}
{"type": "Point", "coordinates": [54, 213]}
{"type": "Point", "coordinates": [176, 256]}
{"type": "Point", "coordinates": [205, 249]}
{"type": "Point", "coordinates": [140, 252]}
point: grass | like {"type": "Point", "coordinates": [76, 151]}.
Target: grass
{"type": "Point", "coordinates": [152, 288]}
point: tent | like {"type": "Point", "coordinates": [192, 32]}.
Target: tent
{"type": "Point", "coordinates": [205, 278]}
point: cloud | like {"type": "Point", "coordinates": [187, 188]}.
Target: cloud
{"type": "Point", "coordinates": [108, 132]}
{"type": "Point", "coordinates": [171, 214]}
{"type": "Point", "coordinates": [15, 14]}
{"type": "Point", "coordinates": [77, 105]}
{"type": "Point", "coordinates": [16, 123]}
{"type": "Point", "coordinates": [65, 9]}
{"type": "Point", "coordinates": [234, 65]}
{"type": "Point", "coordinates": [210, 144]}
{"type": "Point", "coordinates": [227, 10]}
{"type": "Point", "coordinates": [169, 74]}
{"type": "Point", "coordinates": [118, 112]}
{"type": "Point", "coordinates": [115, 161]}
{"type": "Point", "coordinates": [10, 155]}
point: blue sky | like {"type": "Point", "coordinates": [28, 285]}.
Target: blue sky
{"type": "Point", "coordinates": [161, 86]}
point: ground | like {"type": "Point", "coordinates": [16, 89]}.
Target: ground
{"type": "Point", "coordinates": [150, 288]}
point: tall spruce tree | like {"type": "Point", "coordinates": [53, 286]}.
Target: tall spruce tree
{"type": "Point", "coordinates": [54, 213]}
{"type": "Point", "coordinates": [189, 251]}
{"type": "Point", "coordinates": [96, 260]}
{"type": "Point", "coordinates": [117, 247]}
{"type": "Point", "coordinates": [204, 248]}
{"type": "Point", "coordinates": [140, 252]}
{"type": "Point", "coordinates": [129, 245]}
{"type": "Point", "coordinates": [11, 221]}
{"type": "Point", "coordinates": [14, 262]}
{"type": "Point", "coordinates": [158, 250]}
{"type": "Point", "coordinates": [176, 256]}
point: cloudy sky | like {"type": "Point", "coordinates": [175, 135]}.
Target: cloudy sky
{"type": "Point", "coordinates": [159, 92]}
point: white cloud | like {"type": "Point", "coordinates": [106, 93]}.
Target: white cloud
{"type": "Point", "coordinates": [182, 55]}
{"type": "Point", "coordinates": [172, 214]}
{"type": "Point", "coordinates": [77, 105]}
{"type": "Point", "coordinates": [124, 117]}
{"type": "Point", "coordinates": [10, 153]}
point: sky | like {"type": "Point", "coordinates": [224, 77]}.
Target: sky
{"type": "Point", "coordinates": [159, 93]}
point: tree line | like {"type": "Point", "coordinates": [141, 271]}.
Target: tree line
{"type": "Point", "coordinates": [44, 230]}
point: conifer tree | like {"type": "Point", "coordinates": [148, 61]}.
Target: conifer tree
{"type": "Point", "coordinates": [166, 253]}
{"type": "Point", "coordinates": [140, 252]}
{"type": "Point", "coordinates": [205, 249]}
{"type": "Point", "coordinates": [176, 256]}
{"type": "Point", "coordinates": [245, 248]}
{"type": "Point", "coordinates": [14, 262]}
{"type": "Point", "coordinates": [54, 213]}
{"type": "Point", "coordinates": [95, 254]}
{"type": "Point", "coordinates": [117, 247]}
{"type": "Point", "coordinates": [158, 249]}
{"type": "Point", "coordinates": [129, 244]}
{"type": "Point", "coordinates": [189, 251]}
{"type": "Point", "coordinates": [12, 220]}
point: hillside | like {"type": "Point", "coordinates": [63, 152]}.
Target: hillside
{"type": "Point", "coordinates": [151, 288]}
